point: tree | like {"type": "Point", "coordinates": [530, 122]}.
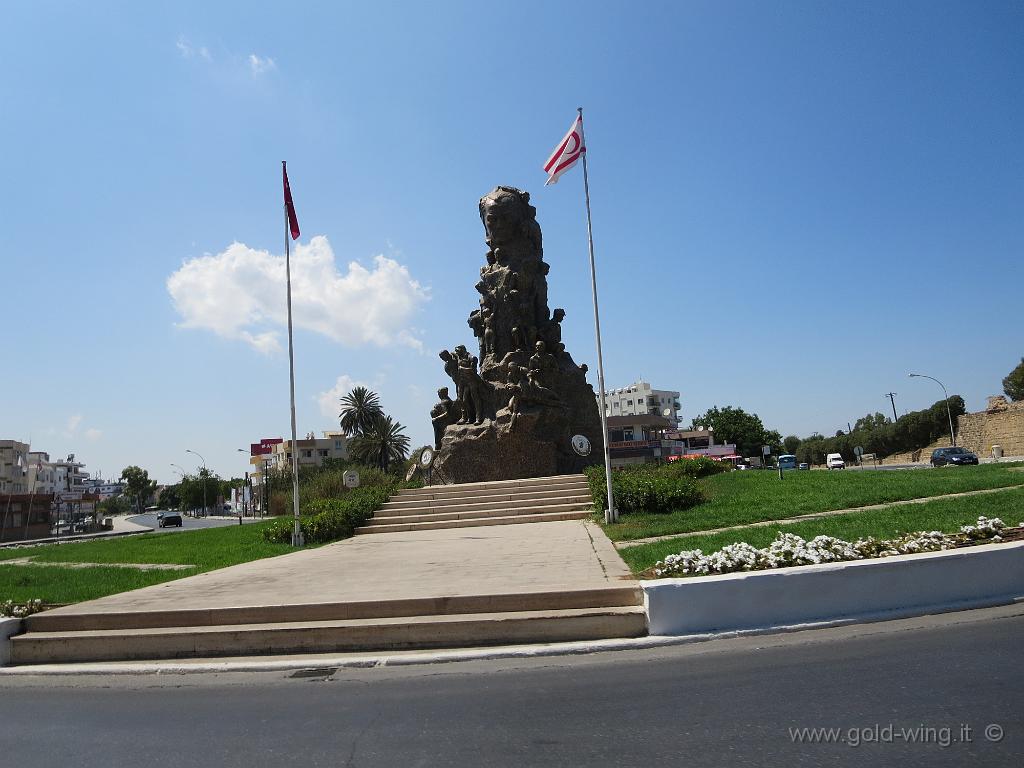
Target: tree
{"type": "Point", "coordinates": [791, 443]}
{"type": "Point", "coordinates": [1013, 384]}
{"type": "Point", "coordinates": [169, 497]}
{"type": "Point", "coordinates": [114, 506]}
{"type": "Point", "coordinates": [381, 443]}
{"type": "Point", "coordinates": [870, 422]}
{"type": "Point", "coordinates": [138, 486]}
{"type": "Point", "coordinates": [734, 425]}
{"type": "Point", "coordinates": [359, 409]}
{"type": "Point", "coordinates": [199, 489]}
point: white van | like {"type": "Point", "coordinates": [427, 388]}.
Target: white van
{"type": "Point", "coordinates": [835, 461]}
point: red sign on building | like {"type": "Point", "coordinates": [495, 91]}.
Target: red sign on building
{"type": "Point", "coordinates": [264, 446]}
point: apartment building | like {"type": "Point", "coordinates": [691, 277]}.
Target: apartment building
{"type": "Point", "coordinates": [14, 467]}
{"type": "Point", "coordinates": [640, 398]}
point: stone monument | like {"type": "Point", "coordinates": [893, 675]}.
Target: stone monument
{"type": "Point", "coordinates": [521, 404]}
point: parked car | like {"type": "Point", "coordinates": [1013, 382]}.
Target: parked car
{"type": "Point", "coordinates": [167, 519]}
{"type": "Point", "coordinates": [835, 461]}
{"type": "Point", "coordinates": [787, 461]}
{"type": "Point", "coordinates": [804, 465]}
{"type": "Point", "coordinates": [957, 455]}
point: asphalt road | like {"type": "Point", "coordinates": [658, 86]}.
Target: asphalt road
{"type": "Point", "coordinates": [943, 690]}
{"type": "Point", "coordinates": [191, 523]}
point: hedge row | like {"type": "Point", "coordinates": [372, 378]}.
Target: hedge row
{"type": "Point", "coordinates": [325, 520]}
{"type": "Point", "coordinates": [653, 488]}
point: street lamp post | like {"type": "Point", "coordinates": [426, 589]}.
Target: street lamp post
{"type": "Point", "coordinates": [205, 473]}
{"type": "Point", "coordinates": [247, 484]}
{"type": "Point", "coordinates": [952, 434]}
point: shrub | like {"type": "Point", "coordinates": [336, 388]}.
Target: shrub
{"type": "Point", "coordinates": [325, 520]}
{"type": "Point", "coordinates": [701, 466]}
{"type": "Point", "coordinates": [650, 488]}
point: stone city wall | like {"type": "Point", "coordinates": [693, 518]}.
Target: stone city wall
{"type": "Point", "coordinates": [1002, 423]}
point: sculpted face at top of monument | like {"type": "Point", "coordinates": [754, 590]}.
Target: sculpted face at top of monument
{"type": "Point", "coordinates": [519, 401]}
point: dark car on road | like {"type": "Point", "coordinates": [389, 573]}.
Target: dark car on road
{"type": "Point", "coordinates": [943, 456]}
{"type": "Point", "coordinates": [167, 519]}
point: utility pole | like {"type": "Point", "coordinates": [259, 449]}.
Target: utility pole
{"type": "Point", "coordinates": [892, 399]}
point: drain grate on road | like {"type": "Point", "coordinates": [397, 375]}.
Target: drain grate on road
{"type": "Point", "coordinates": [321, 672]}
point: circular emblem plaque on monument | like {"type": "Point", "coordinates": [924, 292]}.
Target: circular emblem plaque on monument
{"type": "Point", "coordinates": [581, 444]}
{"type": "Point", "coordinates": [426, 457]}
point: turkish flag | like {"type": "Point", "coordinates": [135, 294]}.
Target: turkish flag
{"type": "Point", "coordinates": [293, 220]}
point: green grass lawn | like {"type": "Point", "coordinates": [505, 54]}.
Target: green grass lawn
{"type": "Point", "coordinates": [945, 515]}
{"type": "Point", "coordinates": [737, 498]}
{"type": "Point", "coordinates": [206, 549]}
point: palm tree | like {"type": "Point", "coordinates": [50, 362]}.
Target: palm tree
{"type": "Point", "coordinates": [359, 409]}
{"type": "Point", "coordinates": [381, 443]}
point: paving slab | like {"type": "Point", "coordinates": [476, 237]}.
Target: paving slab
{"type": "Point", "coordinates": [498, 560]}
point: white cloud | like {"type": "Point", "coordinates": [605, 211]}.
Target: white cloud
{"type": "Point", "coordinates": [240, 294]}
{"type": "Point", "coordinates": [260, 65]}
{"type": "Point", "coordinates": [329, 399]}
{"type": "Point", "coordinates": [92, 434]}
{"type": "Point", "coordinates": [73, 422]}
{"type": "Point", "coordinates": [187, 51]}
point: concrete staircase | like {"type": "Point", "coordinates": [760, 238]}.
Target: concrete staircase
{"type": "Point", "coordinates": [504, 502]}
{"type": "Point", "coordinates": [521, 597]}
{"type": "Point", "coordinates": [456, 621]}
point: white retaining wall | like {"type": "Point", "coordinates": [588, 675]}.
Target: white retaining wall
{"type": "Point", "coordinates": [906, 585]}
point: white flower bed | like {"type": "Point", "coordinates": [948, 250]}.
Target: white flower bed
{"type": "Point", "coordinates": [788, 549]}
{"type": "Point", "coordinates": [20, 610]}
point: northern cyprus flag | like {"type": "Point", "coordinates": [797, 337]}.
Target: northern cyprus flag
{"type": "Point", "coordinates": [567, 153]}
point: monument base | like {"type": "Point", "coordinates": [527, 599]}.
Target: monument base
{"type": "Point", "coordinates": [499, 449]}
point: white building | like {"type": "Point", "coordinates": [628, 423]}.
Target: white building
{"type": "Point", "coordinates": [641, 399]}
{"type": "Point", "coordinates": [14, 467]}
{"type": "Point", "coordinates": [69, 478]}
{"type": "Point", "coordinates": [105, 489]}
{"type": "Point", "coordinates": [42, 474]}
{"type": "Point", "coordinates": [312, 451]}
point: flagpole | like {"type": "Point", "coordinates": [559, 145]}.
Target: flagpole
{"type": "Point", "coordinates": [611, 514]}
{"type": "Point", "coordinates": [297, 538]}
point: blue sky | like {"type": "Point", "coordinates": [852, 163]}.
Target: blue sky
{"type": "Point", "coordinates": [794, 205]}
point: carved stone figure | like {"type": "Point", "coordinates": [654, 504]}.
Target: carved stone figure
{"type": "Point", "coordinates": [488, 347]}
{"type": "Point", "coordinates": [442, 415]}
{"type": "Point", "coordinates": [543, 363]}
{"type": "Point", "coordinates": [519, 405]}
{"type": "Point", "coordinates": [471, 401]}
{"type": "Point", "coordinates": [552, 329]}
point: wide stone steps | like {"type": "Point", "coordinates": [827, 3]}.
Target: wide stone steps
{"type": "Point", "coordinates": [455, 630]}
{"type": "Point", "coordinates": [454, 513]}
{"type": "Point", "coordinates": [512, 505]}
{"type": "Point", "coordinates": [471, 522]}
{"type": "Point", "coordinates": [557, 482]}
{"type": "Point", "coordinates": [435, 622]}
{"type": "Point", "coordinates": [492, 501]}
{"type": "Point", "coordinates": [505, 502]}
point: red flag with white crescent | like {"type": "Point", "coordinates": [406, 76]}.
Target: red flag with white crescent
{"type": "Point", "coordinates": [567, 153]}
{"type": "Point", "coordinates": [293, 220]}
